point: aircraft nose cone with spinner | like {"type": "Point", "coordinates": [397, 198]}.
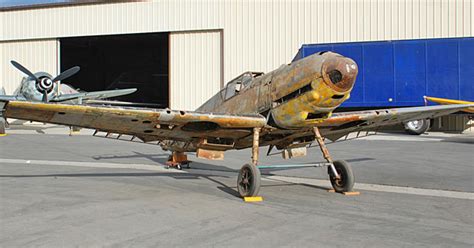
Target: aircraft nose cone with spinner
{"type": "Point", "coordinates": [331, 78]}
{"type": "Point", "coordinates": [339, 73]}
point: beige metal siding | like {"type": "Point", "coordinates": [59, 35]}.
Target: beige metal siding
{"type": "Point", "coordinates": [195, 68]}
{"type": "Point", "coordinates": [98, 19]}
{"type": "Point", "coordinates": [40, 55]}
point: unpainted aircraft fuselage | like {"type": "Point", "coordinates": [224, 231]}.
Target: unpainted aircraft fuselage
{"type": "Point", "coordinates": [294, 96]}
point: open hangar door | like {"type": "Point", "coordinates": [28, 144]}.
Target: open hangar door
{"type": "Point", "coordinates": [120, 61]}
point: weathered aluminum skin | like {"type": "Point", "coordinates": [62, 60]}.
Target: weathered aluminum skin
{"type": "Point", "coordinates": [267, 93]}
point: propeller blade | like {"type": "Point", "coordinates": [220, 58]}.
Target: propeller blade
{"type": "Point", "coordinates": [69, 72]}
{"type": "Point", "coordinates": [23, 69]}
{"type": "Point", "coordinates": [45, 97]}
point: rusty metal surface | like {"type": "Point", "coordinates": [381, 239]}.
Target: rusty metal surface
{"type": "Point", "coordinates": [294, 152]}
{"type": "Point", "coordinates": [321, 144]}
{"type": "Point", "coordinates": [297, 95]}
{"type": "Point", "coordinates": [152, 124]}
{"type": "Point", "coordinates": [210, 154]}
{"type": "Point", "coordinates": [255, 145]}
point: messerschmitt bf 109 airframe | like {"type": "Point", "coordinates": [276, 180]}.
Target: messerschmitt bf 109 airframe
{"type": "Point", "coordinates": [287, 109]}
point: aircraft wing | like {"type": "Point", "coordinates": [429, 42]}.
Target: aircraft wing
{"type": "Point", "coordinates": [93, 95]}
{"type": "Point", "coordinates": [342, 123]}
{"type": "Point", "coordinates": [450, 101]}
{"type": "Point", "coordinates": [11, 98]}
{"type": "Point", "coordinates": [146, 124]}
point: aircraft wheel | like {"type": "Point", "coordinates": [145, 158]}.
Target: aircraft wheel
{"type": "Point", "coordinates": [248, 181]}
{"type": "Point", "coordinates": [417, 127]}
{"type": "Point", "coordinates": [346, 181]}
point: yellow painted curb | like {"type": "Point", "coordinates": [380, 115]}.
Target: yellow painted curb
{"type": "Point", "coordinates": [3, 134]}
{"type": "Point", "coordinates": [253, 199]}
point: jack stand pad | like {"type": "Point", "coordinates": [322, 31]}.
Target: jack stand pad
{"type": "Point", "coordinates": [73, 130]}
{"type": "Point", "coordinates": [351, 193]}
{"type": "Point", "coordinates": [253, 199]}
{"type": "Point", "coordinates": [177, 159]}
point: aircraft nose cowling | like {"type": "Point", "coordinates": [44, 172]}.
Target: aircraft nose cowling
{"type": "Point", "coordinates": [339, 73]}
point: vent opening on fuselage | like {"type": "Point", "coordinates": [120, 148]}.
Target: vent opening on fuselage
{"type": "Point", "coordinates": [295, 93]}
{"type": "Point", "coordinates": [337, 96]}
{"type": "Point", "coordinates": [313, 116]}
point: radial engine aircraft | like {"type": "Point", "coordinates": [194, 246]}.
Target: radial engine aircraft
{"type": "Point", "coordinates": [288, 109]}
{"type": "Point", "coordinates": [41, 86]}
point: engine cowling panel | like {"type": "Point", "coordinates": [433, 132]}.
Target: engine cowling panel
{"type": "Point", "coordinates": [314, 101]}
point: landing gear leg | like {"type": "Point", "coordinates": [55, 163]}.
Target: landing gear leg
{"type": "Point", "coordinates": [340, 172]}
{"type": "Point", "coordinates": [3, 124]}
{"type": "Point", "coordinates": [3, 120]}
{"type": "Point", "coordinates": [248, 181]}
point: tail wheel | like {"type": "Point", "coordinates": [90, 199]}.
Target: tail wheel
{"type": "Point", "coordinates": [248, 181]}
{"type": "Point", "coordinates": [345, 182]}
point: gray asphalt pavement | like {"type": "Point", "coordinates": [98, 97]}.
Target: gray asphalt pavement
{"type": "Point", "coordinates": [61, 191]}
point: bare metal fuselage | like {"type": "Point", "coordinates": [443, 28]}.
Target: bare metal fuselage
{"type": "Point", "coordinates": [295, 96]}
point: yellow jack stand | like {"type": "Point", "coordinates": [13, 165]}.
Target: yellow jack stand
{"type": "Point", "coordinates": [345, 193]}
{"type": "Point", "coordinates": [253, 199]}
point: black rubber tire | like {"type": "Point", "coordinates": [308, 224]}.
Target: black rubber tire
{"type": "Point", "coordinates": [248, 181]}
{"type": "Point", "coordinates": [346, 183]}
{"type": "Point", "coordinates": [416, 129]}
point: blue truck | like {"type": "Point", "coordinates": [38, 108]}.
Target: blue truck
{"type": "Point", "coordinates": [399, 73]}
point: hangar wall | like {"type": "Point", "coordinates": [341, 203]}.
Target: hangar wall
{"type": "Point", "coordinates": [37, 55]}
{"type": "Point", "coordinates": [195, 68]}
{"type": "Point", "coordinates": [257, 35]}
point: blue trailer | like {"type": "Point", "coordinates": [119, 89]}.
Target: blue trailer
{"type": "Point", "coordinates": [399, 73]}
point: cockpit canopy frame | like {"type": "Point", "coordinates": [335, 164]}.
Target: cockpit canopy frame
{"type": "Point", "coordinates": [240, 83]}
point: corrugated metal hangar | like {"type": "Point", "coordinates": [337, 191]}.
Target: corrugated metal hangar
{"type": "Point", "coordinates": [179, 53]}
